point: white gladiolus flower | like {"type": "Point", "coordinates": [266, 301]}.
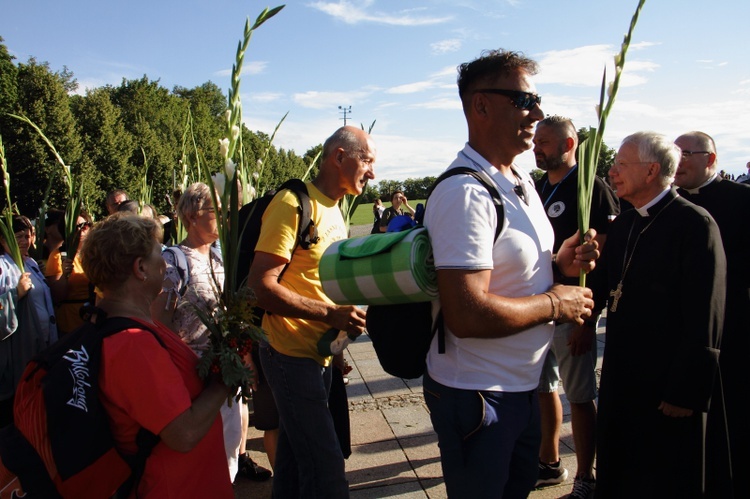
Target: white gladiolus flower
{"type": "Point", "coordinates": [610, 89]}
{"type": "Point", "coordinates": [227, 114]}
{"type": "Point", "coordinates": [598, 110]}
{"type": "Point", "coordinates": [618, 60]}
{"type": "Point", "coordinates": [256, 175]}
{"type": "Point", "coordinates": [260, 163]}
{"type": "Point", "coordinates": [223, 147]}
{"type": "Point", "coordinates": [229, 168]}
{"type": "Point", "coordinates": [220, 182]}
{"type": "Point", "coordinates": [235, 132]}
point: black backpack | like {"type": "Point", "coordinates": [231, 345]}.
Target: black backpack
{"type": "Point", "coordinates": [250, 220]}
{"type": "Point", "coordinates": [402, 334]}
{"type": "Point", "coordinates": [62, 426]}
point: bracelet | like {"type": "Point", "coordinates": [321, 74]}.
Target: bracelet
{"type": "Point", "coordinates": [559, 305]}
{"type": "Point", "coordinates": [556, 272]}
{"type": "Point", "coordinates": [552, 303]}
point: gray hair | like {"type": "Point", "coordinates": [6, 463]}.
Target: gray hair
{"type": "Point", "coordinates": [655, 147]}
{"type": "Point", "coordinates": [194, 199]}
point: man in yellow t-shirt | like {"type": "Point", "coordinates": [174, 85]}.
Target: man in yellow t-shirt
{"type": "Point", "coordinates": [308, 461]}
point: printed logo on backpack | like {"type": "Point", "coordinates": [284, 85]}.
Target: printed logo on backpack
{"type": "Point", "coordinates": [61, 444]}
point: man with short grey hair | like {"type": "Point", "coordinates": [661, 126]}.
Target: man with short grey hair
{"type": "Point", "coordinates": [666, 274]}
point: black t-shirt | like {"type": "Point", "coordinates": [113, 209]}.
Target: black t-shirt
{"type": "Point", "coordinates": [561, 206]}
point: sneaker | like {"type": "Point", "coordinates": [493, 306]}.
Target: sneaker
{"type": "Point", "coordinates": [583, 488]}
{"type": "Point", "coordinates": [551, 474]}
{"type": "Point", "coordinates": [251, 470]}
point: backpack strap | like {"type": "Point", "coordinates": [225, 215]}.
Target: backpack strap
{"type": "Point", "coordinates": [145, 440]}
{"type": "Point", "coordinates": [486, 181]}
{"type": "Point", "coordinates": [307, 231]}
{"type": "Point", "coordinates": [183, 268]}
{"type": "Point", "coordinates": [22, 459]}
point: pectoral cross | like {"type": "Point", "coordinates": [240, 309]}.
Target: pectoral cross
{"type": "Point", "coordinates": [616, 293]}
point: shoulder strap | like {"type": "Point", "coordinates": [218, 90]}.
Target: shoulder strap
{"type": "Point", "coordinates": [307, 231]}
{"type": "Point", "coordinates": [183, 268]}
{"type": "Point", "coordinates": [497, 200]}
{"type": "Point", "coordinates": [484, 179]}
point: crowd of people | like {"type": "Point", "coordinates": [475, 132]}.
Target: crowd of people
{"type": "Point", "coordinates": [664, 263]}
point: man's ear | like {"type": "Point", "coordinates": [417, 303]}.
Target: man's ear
{"type": "Point", "coordinates": [479, 104]}
{"type": "Point", "coordinates": [711, 160]}
{"type": "Point", "coordinates": [570, 144]}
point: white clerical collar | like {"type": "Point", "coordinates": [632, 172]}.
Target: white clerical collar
{"type": "Point", "coordinates": [643, 210]}
{"type": "Point", "coordinates": [704, 184]}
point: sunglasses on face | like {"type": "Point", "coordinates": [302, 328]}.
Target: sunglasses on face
{"type": "Point", "coordinates": [84, 225]}
{"type": "Point", "coordinates": [521, 100]}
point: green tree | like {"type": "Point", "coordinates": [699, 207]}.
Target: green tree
{"type": "Point", "coordinates": [606, 155]}
{"type": "Point", "coordinates": [207, 105]}
{"type": "Point", "coordinates": [43, 98]}
{"type": "Point", "coordinates": [536, 174]}
{"type": "Point", "coordinates": [155, 118]}
{"type": "Point", "coordinates": [386, 188]}
{"type": "Point", "coordinates": [417, 188]}
{"type": "Point", "coordinates": [8, 83]}
{"type": "Point", "coordinates": [107, 145]}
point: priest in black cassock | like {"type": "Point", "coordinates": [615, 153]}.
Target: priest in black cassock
{"type": "Point", "coordinates": [729, 203]}
{"type": "Point", "coordinates": [666, 273]}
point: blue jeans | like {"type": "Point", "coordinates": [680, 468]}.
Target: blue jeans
{"type": "Point", "coordinates": [489, 441]}
{"type": "Point", "coordinates": [309, 463]}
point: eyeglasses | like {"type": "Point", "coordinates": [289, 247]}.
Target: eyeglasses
{"type": "Point", "coordinates": [620, 164]}
{"type": "Point", "coordinates": [521, 100]}
{"type": "Point", "coordinates": [84, 225]}
{"type": "Point", "coordinates": [687, 154]}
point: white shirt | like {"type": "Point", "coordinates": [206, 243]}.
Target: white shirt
{"type": "Point", "coordinates": [461, 221]}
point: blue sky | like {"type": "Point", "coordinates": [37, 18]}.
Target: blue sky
{"type": "Point", "coordinates": [395, 62]}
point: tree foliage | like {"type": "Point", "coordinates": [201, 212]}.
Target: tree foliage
{"type": "Point", "coordinates": [111, 134]}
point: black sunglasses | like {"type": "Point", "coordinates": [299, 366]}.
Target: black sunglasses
{"type": "Point", "coordinates": [80, 226]}
{"type": "Point", "coordinates": [521, 100]}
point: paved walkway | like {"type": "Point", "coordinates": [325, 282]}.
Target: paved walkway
{"type": "Point", "coordinates": [394, 449]}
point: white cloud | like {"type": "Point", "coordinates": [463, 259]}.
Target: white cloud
{"type": "Point", "coordinates": [583, 66]}
{"type": "Point", "coordinates": [265, 96]}
{"type": "Point", "coordinates": [325, 100]}
{"type": "Point", "coordinates": [444, 103]}
{"type": "Point", "coordinates": [411, 88]}
{"type": "Point", "coordinates": [446, 46]}
{"type": "Point", "coordinates": [348, 12]}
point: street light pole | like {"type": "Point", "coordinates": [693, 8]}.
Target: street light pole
{"type": "Point", "coordinates": [344, 110]}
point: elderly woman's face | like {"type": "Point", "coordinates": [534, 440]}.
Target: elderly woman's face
{"type": "Point", "coordinates": [204, 223]}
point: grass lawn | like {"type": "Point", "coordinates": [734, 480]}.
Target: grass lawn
{"type": "Point", "coordinates": [363, 213]}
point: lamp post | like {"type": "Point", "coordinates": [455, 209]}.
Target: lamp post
{"type": "Point", "coordinates": [345, 110]}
